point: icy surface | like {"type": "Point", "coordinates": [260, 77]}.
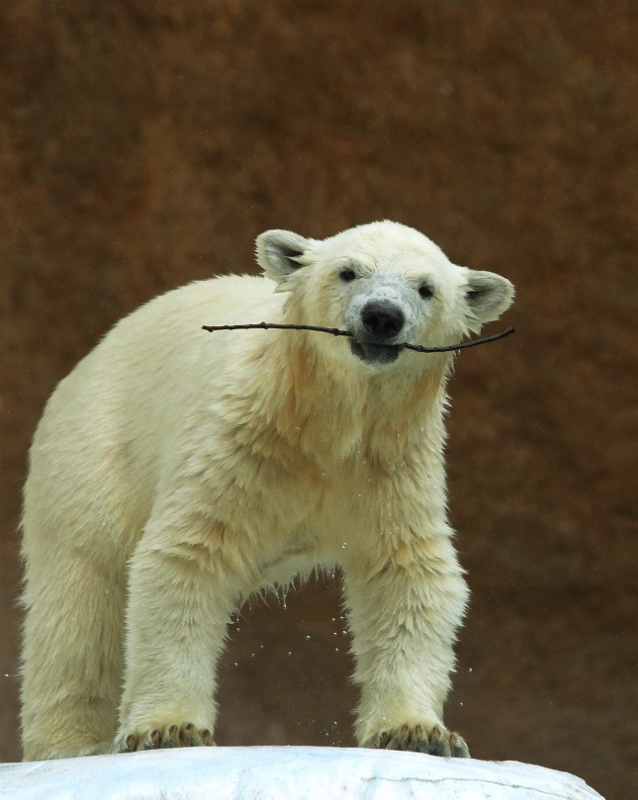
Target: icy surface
{"type": "Point", "coordinates": [284, 773]}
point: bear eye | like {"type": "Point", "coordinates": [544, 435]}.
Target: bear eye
{"type": "Point", "coordinates": [347, 275]}
{"type": "Point", "coordinates": [426, 291]}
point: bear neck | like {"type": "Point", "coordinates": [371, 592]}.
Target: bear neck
{"type": "Point", "coordinates": [332, 413]}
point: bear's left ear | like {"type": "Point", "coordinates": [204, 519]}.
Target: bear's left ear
{"type": "Point", "coordinates": [280, 253]}
{"type": "Point", "coordinates": [488, 295]}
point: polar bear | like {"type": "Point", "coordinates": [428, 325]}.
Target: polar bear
{"type": "Point", "coordinates": [175, 472]}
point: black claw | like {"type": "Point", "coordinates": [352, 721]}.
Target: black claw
{"type": "Point", "coordinates": [154, 742]}
{"type": "Point", "coordinates": [438, 745]}
{"type": "Point", "coordinates": [206, 737]}
{"type": "Point", "coordinates": [400, 740]}
{"type": "Point", "coordinates": [172, 739]}
{"type": "Point", "coordinates": [458, 748]}
{"type": "Point", "coordinates": [419, 743]}
{"type": "Point", "coordinates": [190, 737]}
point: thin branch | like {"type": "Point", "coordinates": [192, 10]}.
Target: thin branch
{"type": "Point", "coordinates": [337, 332]}
{"type": "Point", "coordinates": [461, 345]}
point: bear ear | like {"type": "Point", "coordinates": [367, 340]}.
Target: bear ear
{"type": "Point", "coordinates": [488, 295]}
{"type": "Point", "coordinates": [280, 253]}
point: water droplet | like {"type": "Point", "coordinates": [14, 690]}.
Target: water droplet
{"type": "Point", "coordinates": [345, 544]}
{"type": "Point", "coordinates": [460, 704]}
{"type": "Point", "coordinates": [336, 649]}
{"type": "Point", "coordinates": [307, 637]}
{"type": "Point", "coordinates": [290, 652]}
{"type": "Point", "coordinates": [470, 669]}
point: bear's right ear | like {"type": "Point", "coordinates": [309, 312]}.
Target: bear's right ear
{"type": "Point", "coordinates": [280, 253]}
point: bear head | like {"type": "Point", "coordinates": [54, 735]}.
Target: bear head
{"type": "Point", "coordinates": [386, 283]}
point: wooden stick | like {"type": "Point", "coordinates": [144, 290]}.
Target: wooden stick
{"type": "Point", "coordinates": [337, 332]}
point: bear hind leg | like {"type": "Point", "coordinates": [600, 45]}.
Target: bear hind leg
{"type": "Point", "coordinates": [72, 659]}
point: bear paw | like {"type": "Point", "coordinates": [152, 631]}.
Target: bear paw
{"type": "Point", "coordinates": [185, 735]}
{"type": "Point", "coordinates": [438, 742]}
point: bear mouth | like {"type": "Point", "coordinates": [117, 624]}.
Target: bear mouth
{"type": "Point", "coordinates": [373, 353]}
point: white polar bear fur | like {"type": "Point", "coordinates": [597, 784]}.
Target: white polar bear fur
{"type": "Point", "coordinates": [175, 472]}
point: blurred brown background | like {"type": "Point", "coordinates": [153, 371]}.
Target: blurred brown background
{"type": "Point", "coordinates": [145, 143]}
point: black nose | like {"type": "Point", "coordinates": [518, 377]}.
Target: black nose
{"type": "Point", "coordinates": [382, 320]}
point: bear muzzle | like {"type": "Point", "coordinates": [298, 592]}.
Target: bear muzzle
{"type": "Point", "coordinates": [375, 341]}
{"type": "Point", "coordinates": [382, 321]}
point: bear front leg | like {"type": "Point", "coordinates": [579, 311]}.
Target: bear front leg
{"type": "Point", "coordinates": [182, 592]}
{"type": "Point", "coordinates": [404, 611]}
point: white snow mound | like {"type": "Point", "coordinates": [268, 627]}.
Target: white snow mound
{"type": "Point", "coordinates": [284, 773]}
